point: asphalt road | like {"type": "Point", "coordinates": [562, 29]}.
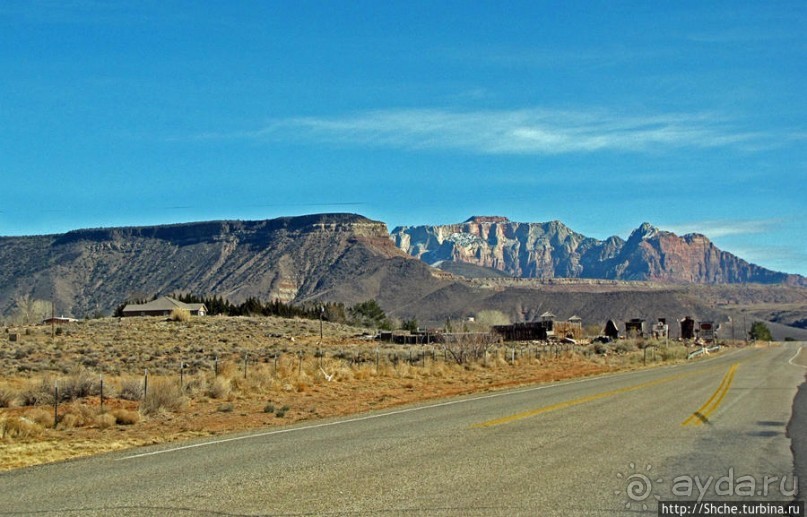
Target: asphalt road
{"type": "Point", "coordinates": [611, 445]}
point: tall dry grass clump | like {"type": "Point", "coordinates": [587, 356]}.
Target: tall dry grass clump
{"type": "Point", "coordinates": [181, 315]}
{"type": "Point", "coordinates": [8, 396]}
{"type": "Point", "coordinates": [14, 427]}
{"type": "Point", "coordinates": [41, 416]}
{"type": "Point", "coordinates": [220, 388]}
{"type": "Point", "coordinates": [125, 416]}
{"type": "Point", "coordinates": [163, 395]}
{"type": "Point", "coordinates": [105, 420]}
{"type": "Point", "coordinates": [78, 415]}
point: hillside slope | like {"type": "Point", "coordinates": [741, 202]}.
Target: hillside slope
{"type": "Point", "coordinates": [348, 258]}
{"type": "Point", "coordinates": [293, 259]}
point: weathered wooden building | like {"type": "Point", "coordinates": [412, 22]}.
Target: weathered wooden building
{"type": "Point", "coordinates": [634, 328]}
{"type": "Point", "coordinates": [687, 328]}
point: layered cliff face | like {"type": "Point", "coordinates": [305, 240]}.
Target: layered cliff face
{"type": "Point", "coordinates": [652, 254]}
{"type": "Point", "coordinates": [532, 250]}
{"type": "Point", "coordinates": [552, 250]}
{"type": "Point", "coordinates": [291, 259]}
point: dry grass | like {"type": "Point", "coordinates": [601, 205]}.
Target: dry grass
{"type": "Point", "coordinates": [125, 416]}
{"type": "Point", "coordinates": [8, 396]}
{"type": "Point", "coordinates": [182, 315]}
{"type": "Point", "coordinates": [16, 428]}
{"type": "Point", "coordinates": [288, 376]}
{"type": "Point", "coordinates": [105, 420]}
{"type": "Point", "coordinates": [163, 395]}
{"type": "Point", "coordinates": [220, 388]}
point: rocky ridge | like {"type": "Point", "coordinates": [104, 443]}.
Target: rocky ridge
{"type": "Point", "coordinates": [552, 250]}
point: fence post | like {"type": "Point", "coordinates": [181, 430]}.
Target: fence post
{"type": "Point", "coordinates": [145, 383]}
{"type": "Point", "coordinates": [216, 366]}
{"type": "Point", "coordinates": [102, 394]}
{"type": "Point", "coordinates": [181, 375]}
{"type": "Point", "coordinates": [55, 405]}
{"type": "Point", "coordinates": [246, 361]}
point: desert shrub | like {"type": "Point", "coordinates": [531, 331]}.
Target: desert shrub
{"type": "Point", "coordinates": [131, 388]}
{"type": "Point", "coordinates": [227, 407]}
{"type": "Point", "coordinates": [36, 393]}
{"type": "Point", "coordinates": [219, 389]}
{"type": "Point", "coordinates": [19, 427]}
{"type": "Point", "coordinates": [125, 417]}
{"type": "Point", "coordinates": [671, 353]}
{"type": "Point", "coordinates": [79, 384]}
{"type": "Point", "coordinates": [269, 408]}
{"type": "Point", "coordinates": [195, 385]}
{"type": "Point", "coordinates": [163, 395]}
{"type": "Point", "coordinates": [7, 397]}
{"type": "Point", "coordinates": [624, 347]}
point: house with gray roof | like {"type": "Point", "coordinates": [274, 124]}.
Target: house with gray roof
{"type": "Point", "coordinates": [163, 307]}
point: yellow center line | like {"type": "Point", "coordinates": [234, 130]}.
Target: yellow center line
{"type": "Point", "coordinates": [702, 415]}
{"type": "Point", "coordinates": [583, 400]}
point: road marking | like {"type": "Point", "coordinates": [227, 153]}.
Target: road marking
{"type": "Point", "coordinates": [373, 416]}
{"type": "Point", "coordinates": [701, 416]}
{"type": "Point", "coordinates": [582, 400]}
{"type": "Point", "coordinates": [795, 356]}
{"type": "Point", "coordinates": [411, 409]}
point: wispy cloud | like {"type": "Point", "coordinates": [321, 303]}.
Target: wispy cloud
{"type": "Point", "coordinates": [787, 259]}
{"type": "Point", "coordinates": [722, 228]}
{"type": "Point", "coordinates": [527, 132]}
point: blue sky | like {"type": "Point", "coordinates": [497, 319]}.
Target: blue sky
{"type": "Point", "coordinates": [688, 115]}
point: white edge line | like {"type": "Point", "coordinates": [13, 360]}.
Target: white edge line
{"type": "Point", "coordinates": [396, 412]}
{"type": "Point", "coordinates": [358, 419]}
{"type": "Point", "coordinates": [795, 356]}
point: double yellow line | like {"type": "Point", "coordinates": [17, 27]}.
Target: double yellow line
{"type": "Point", "coordinates": [576, 402]}
{"type": "Point", "coordinates": [701, 416]}
{"type": "Point", "coordinates": [697, 418]}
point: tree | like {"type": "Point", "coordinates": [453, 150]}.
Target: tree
{"type": "Point", "coordinates": [369, 314]}
{"type": "Point", "coordinates": [410, 325]}
{"type": "Point", "coordinates": [30, 310]}
{"type": "Point", "coordinates": [760, 332]}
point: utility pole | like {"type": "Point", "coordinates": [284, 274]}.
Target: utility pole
{"type": "Point", "coordinates": [321, 315]}
{"type": "Point", "coordinates": [745, 330]}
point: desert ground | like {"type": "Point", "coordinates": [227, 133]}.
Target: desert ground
{"type": "Point", "coordinates": [101, 385]}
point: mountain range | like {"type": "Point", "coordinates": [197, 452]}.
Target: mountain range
{"type": "Point", "coordinates": [553, 250]}
{"type": "Point", "coordinates": [486, 263]}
